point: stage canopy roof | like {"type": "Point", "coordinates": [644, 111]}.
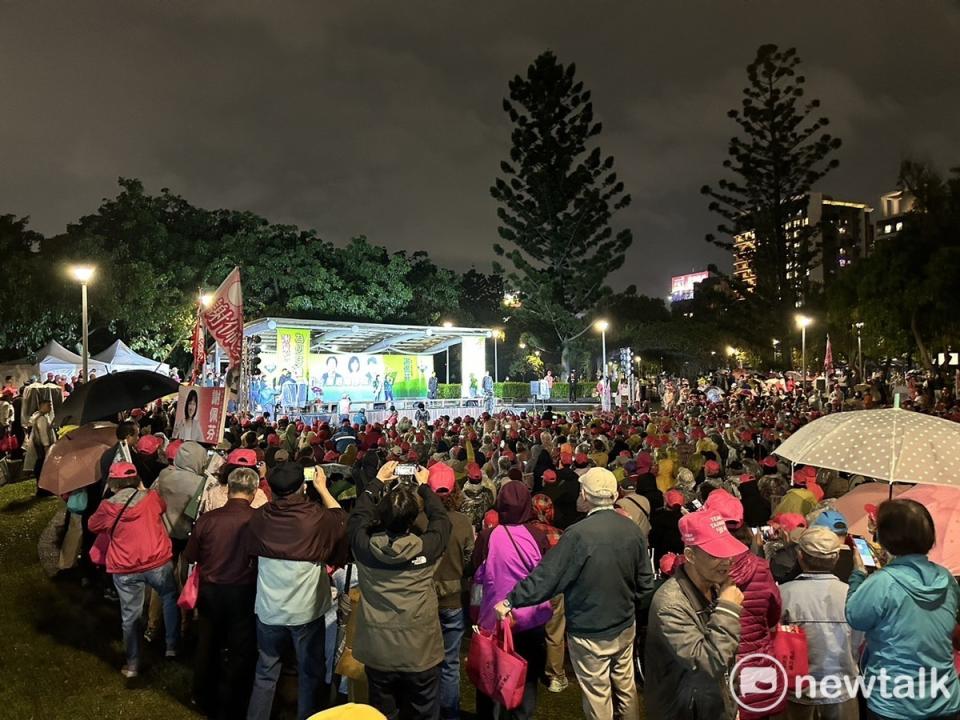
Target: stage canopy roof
{"type": "Point", "coordinates": [332, 336]}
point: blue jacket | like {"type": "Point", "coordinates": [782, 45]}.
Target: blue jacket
{"type": "Point", "coordinates": [908, 611]}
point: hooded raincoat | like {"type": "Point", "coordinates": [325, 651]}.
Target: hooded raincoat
{"type": "Point", "coordinates": [177, 486]}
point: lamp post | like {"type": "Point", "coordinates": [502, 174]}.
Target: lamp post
{"type": "Point", "coordinates": [602, 326]}
{"type": "Point", "coordinates": [802, 322]}
{"type": "Point", "coordinates": [859, 327]}
{"type": "Point", "coordinates": [497, 334]}
{"type": "Point", "coordinates": [83, 274]}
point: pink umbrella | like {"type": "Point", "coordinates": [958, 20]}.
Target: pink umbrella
{"type": "Point", "coordinates": [852, 504]}
{"type": "Point", "coordinates": [943, 502]}
{"type": "Point", "coordinates": [73, 461]}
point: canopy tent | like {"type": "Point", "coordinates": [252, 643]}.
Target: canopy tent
{"type": "Point", "coordinates": [121, 358]}
{"type": "Point", "coordinates": [55, 358]}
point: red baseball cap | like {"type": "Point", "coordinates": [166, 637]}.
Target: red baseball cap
{"type": "Point", "coordinates": [725, 505]}
{"type": "Point", "coordinates": [242, 457]}
{"type": "Point", "coordinates": [711, 468]}
{"type": "Point", "coordinates": [549, 477]}
{"type": "Point", "coordinates": [442, 479]}
{"type": "Point", "coordinates": [581, 458]}
{"type": "Point", "coordinates": [769, 461]}
{"type": "Point", "coordinates": [331, 456]}
{"type": "Point", "coordinates": [566, 458]}
{"type": "Point", "coordinates": [747, 478]}
{"type": "Point", "coordinates": [172, 449]}
{"type": "Point", "coordinates": [708, 531]}
{"type": "Point", "coordinates": [149, 444]}
{"type": "Point", "coordinates": [673, 498]}
{"type": "Point", "coordinates": [121, 470]}
{"type": "Point", "coordinates": [789, 521]}
{"type": "Point", "coordinates": [474, 472]}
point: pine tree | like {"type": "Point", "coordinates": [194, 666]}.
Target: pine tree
{"type": "Point", "coordinates": [780, 153]}
{"type": "Point", "coordinates": [556, 200]}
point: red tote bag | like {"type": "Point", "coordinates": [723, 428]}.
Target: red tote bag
{"type": "Point", "coordinates": [494, 667]}
{"type": "Point", "coordinates": [191, 591]}
{"type": "Point", "coordinates": [791, 650]}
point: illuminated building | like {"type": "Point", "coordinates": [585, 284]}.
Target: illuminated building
{"type": "Point", "coordinates": [844, 234]}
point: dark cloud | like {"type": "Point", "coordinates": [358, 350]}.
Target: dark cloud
{"type": "Point", "coordinates": [385, 118]}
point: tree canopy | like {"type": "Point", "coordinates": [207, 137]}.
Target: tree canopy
{"type": "Point", "coordinates": [154, 253]}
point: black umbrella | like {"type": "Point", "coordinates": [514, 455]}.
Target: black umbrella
{"type": "Point", "coordinates": [104, 397]}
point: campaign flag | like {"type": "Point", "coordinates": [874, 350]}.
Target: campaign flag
{"type": "Point", "coordinates": [224, 317]}
{"type": "Point", "coordinates": [199, 348]}
{"type": "Point", "coordinates": [828, 358]}
{"type": "Point", "coordinates": [201, 413]}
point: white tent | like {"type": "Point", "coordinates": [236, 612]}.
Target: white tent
{"type": "Point", "coordinates": [120, 358]}
{"type": "Point", "coordinates": [55, 358]}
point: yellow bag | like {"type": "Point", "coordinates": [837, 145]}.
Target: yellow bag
{"type": "Point", "coordinates": [347, 665]}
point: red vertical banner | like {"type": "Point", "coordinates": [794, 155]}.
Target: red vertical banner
{"type": "Point", "coordinates": [199, 347]}
{"type": "Point", "coordinates": [828, 359]}
{"type": "Point", "coordinates": [224, 317]}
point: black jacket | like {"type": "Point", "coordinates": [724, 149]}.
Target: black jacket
{"type": "Point", "coordinates": [756, 508]}
{"type": "Point", "coordinates": [602, 568]}
{"type": "Point", "coordinates": [564, 493]}
{"type": "Point", "coordinates": [665, 533]}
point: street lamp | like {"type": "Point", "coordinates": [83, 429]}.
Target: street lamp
{"type": "Point", "coordinates": [497, 334]}
{"type": "Point", "coordinates": [206, 299]}
{"type": "Point", "coordinates": [776, 349]}
{"type": "Point", "coordinates": [448, 324]}
{"type": "Point", "coordinates": [82, 274]}
{"type": "Point", "coordinates": [802, 322]}
{"type": "Point", "coordinates": [859, 327]}
{"type": "Point", "coordinates": [602, 326]}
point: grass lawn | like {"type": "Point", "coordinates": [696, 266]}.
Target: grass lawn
{"type": "Point", "coordinates": [60, 645]}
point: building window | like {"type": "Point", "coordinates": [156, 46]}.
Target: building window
{"type": "Point", "coordinates": [899, 226]}
{"type": "Point", "coordinates": [888, 228]}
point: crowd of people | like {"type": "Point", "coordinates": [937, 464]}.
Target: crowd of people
{"type": "Point", "coordinates": [650, 550]}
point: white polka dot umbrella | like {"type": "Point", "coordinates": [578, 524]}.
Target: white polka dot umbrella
{"type": "Point", "coordinates": [892, 444]}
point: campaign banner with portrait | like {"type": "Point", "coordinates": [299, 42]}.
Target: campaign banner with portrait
{"type": "Point", "coordinates": [370, 378]}
{"type": "Point", "coordinates": [201, 412]}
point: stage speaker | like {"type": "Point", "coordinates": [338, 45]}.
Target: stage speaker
{"type": "Point", "coordinates": [379, 406]}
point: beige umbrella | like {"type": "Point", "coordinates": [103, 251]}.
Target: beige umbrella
{"type": "Point", "coordinates": [73, 461]}
{"type": "Point", "coordinates": [893, 444]}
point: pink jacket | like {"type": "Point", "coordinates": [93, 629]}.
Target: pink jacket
{"type": "Point", "coordinates": [501, 572]}
{"type": "Point", "coordinates": [759, 615]}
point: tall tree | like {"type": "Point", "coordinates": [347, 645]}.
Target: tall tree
{"type": "Point", "coordinates": [556, 198]}
{"type": "Point", "coordinates": [781, 151]}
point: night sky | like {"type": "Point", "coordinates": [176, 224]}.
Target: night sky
{"type": "Point", "coordinates": [385, 119]}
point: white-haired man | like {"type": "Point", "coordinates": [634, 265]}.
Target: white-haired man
{"type": "Point", "coordinates": [601, 567]}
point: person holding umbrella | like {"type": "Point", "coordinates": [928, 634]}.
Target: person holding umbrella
{"type": "Point", "coordinates": [138, 554]}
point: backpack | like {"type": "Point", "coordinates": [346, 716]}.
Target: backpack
{"type": "Point", "coordinates": [476, 501]}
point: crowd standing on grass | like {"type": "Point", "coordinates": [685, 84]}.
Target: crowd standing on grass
{"type": "Point", "coordinates": [656, 551]}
